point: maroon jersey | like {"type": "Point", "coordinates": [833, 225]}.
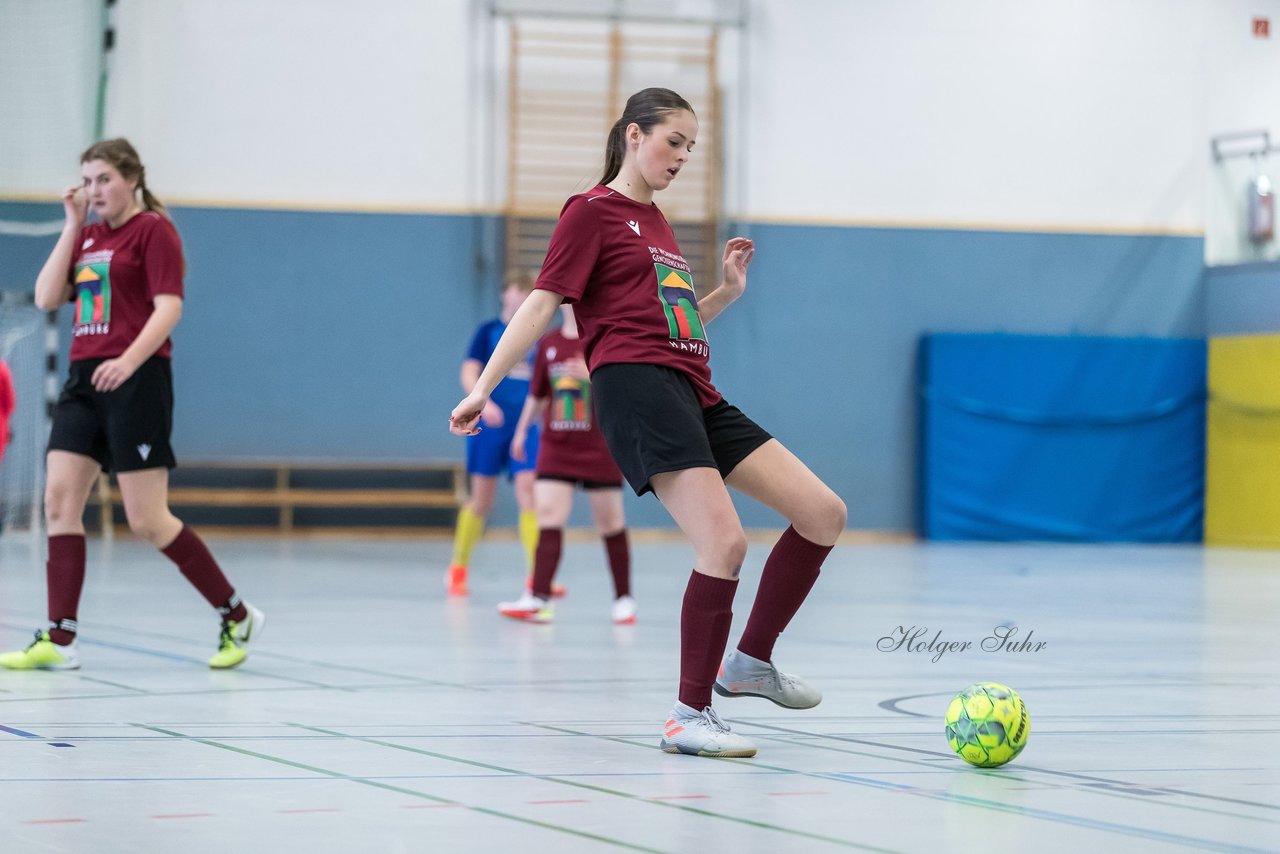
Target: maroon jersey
{"type": "Point", "coordinates": [617, 262]}
{"type": "Point", "coordinates": [116, 274]}
{"type": "Point", "coordinates": [8, 402]}
{"type": "Point", "coordinates": [571, 444]}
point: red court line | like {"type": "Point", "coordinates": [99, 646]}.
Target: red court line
{"type": "Point", "coordinates": [317, 809]}
{"type": "Point", "coordinates": [186, 815]}
{"type": "Point", "coordinates": [579, 801]}
{"type": "Point", "coordinates": [55, 821]}
{"type": "Point", "coordinates": [679, 797]}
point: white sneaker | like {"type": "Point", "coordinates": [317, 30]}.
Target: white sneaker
{"type": "Point", "coordinates": [624, 610]}
{"type": "Point", "coordinates": [530, 608]}
{"type": "Point", "coordinates": [702, 733]}
{"type": "Point", "coordinates": [744, 676]}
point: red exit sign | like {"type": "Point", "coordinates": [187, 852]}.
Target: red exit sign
{"type": "Point", "coordinates": [1262, 27]}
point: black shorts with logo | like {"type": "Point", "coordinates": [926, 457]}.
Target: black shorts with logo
{"type": "Point", "coordinates": [124, 430]}
{"type": "Point", "coordinates": [653, 423]}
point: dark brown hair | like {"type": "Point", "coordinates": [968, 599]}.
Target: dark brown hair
{"type": "Point", "coordinates": [646, 108]}
{"type": "Point", "coordinates": [120, 154]}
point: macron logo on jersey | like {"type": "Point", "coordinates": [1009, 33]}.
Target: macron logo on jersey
{"type": "Point", "coordinates": [634, 226]}
{"type": "Point", "coordinates": [87, 243]}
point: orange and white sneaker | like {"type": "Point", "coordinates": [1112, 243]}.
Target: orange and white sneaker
{"type": "Point", "coordinates": [624, 611]}
{"type": "Point", "coordinates": [530, 608]}
{"type": "Point", "coordinates": [455, 580]}
{"type": "Point", "coordinates": [702, 733]}
{"type": "Point", "coordinates": [743, 676]}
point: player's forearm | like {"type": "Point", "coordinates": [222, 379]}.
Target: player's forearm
{"type": "Point", "coordinates": [710, 306]}
{"type": "Point", "coordinates": [164, 318]}
{"type": "Point", "coordinates": [528, 324]}
{"type": "Point", "coordinates": [52, 287]}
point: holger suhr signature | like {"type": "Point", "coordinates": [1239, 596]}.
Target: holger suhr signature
{"type": "Point", "coordinates": [911, 639]}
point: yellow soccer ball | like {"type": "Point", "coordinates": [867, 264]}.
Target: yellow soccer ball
{"type": "Point", "coordinates": [987, 724]}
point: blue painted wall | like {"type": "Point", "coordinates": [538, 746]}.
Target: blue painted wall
{"type": "Point", "coordinates": [339, 335]}
{"type": "Point", "coordinates": [1242, 299]}
{"type": "Point", "coordinates": [821, 350]}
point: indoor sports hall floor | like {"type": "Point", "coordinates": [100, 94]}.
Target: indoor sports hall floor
{"type": "Point", "coordinates": [377, 716]}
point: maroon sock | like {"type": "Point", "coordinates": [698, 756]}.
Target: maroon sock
{"type": "Point", "coordinates": [192, 556]}
{"type": "Point", "coordinates": [788, 576]}
{"type": "Point", "coordinates": [615, 545]}
{"type": "Point", "coordinates": [704, 631]}
{"type": "Point", "coordinates": [546, 558]}
{"type": "Point", "coordinates": [65, 575]}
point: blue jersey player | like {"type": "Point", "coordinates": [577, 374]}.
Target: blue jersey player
{"type": "Point", "coordinates": [489, 451]}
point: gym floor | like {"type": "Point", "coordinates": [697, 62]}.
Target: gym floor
{"type": "Point", "coordinates": [377, 715]}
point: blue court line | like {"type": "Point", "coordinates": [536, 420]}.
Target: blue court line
{"type": "Point", "coordinates": [137, 696]}
{"type": "Point", "coordinates": [436, 799]}
{"type": "Point", "coordinates": [1064, 818]}
{"type": "Point", "coordinates": [22, 733]}
{"type": "Point", "coordinates": [564, 781]}
{"type": "Point", "coordinates": [1115, 791]}
{"type": "Point", "coordinates": [1021, 766]}
{"type": "Point", "coordinates": [187, 659]}
{"type": "Point", "coordinates": [851, 778]}
{"type": "Point", "coordinates": [328, 665]}
{"type": "Point", "coordinates": [478, 776]}
{"type": "Point", "coordinates": [1005, 773]}
{"type": "Point", "coordinates": [204, 663]}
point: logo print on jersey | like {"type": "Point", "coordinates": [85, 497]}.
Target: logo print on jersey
{"type": "Point", "coordinates": [572, 407]}
{"type": "Point", "coordinates": [675, 288]}
{"type": "Point", "coordinates": [634, 226]}
{"type": "Point", "coordinates": [93, 293]}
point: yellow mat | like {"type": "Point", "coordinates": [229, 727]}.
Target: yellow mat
{"type": "Point", "coordinates": [1242, 469]}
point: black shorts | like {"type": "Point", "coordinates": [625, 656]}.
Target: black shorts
{"type": "Point", "coordinates": [587, 485]}
{"type": "Point", "coordinates": [653, 423]}
{"type": "Point", "coordinates": [124, 430]}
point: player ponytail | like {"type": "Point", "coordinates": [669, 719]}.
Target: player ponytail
{"type": "Point", "coordinates": [149, 201]}
{"type": "Point", "coordinates": [646, 108]}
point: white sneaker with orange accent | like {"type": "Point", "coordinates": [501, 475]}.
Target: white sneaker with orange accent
{"type": "Point", "coordinates": [624, 610]}
{"type": "Point", "coordinates": [744, 676]}
{"type": "Point", "coordinates": [702, 733]}
{"type": "Point", "coordinates": [529, 608]}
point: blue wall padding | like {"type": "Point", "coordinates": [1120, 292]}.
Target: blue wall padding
{"type": "Point", "coordinates": [1061, 438]}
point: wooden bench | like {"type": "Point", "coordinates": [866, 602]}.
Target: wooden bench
{"type": "Point", "coordinates": [302, 497]}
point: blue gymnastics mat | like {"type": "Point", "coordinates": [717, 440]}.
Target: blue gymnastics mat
{"type": "Point", "coordinates": [1061, 438]}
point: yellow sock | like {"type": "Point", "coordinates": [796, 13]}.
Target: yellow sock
{"type": "Point", "coordinates": [529, 534]}
{"type": "Point", "coordinates": [469, 531]}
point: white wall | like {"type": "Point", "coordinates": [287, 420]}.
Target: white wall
{"type": "Point", "coordinates": [1092, 114]}
{"type": "Point", "coordinates": [989, 111]}
{"type": "Point", "coordinates": [50, 59]}
{"type": "Point", "coordinates": [310, 101]}
{"type": "Point", "coordinates": [1244, 75]}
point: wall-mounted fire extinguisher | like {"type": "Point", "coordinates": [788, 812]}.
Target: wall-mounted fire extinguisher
{"type": "Point", "coordinates": [1262, 210]}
